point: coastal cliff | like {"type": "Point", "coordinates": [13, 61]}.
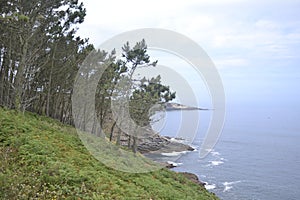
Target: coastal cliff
{"type": "Point", "coordinates": [42, 158]}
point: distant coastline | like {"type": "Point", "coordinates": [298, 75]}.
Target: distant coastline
{"type": "Point", "coordinates": [177, 106]}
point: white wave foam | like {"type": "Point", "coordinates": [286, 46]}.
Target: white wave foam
{"type": "Point", "coordinates": [195, 147]}
{"type": "Point", "coordinates": [174, 163]}
{"type": "Point", "coordinates": [216, 162]}
{"type": "Point", "coordinates": [208, 150]}
{"type": "Point", "coordinates": [228, 185]}
{"type": "Point", "coordinates": [227, 188]}
{"type": "Point", "coordinates": [179, 140]}
{"type": "Point", "coordinates": [215, 153]}
{"type": "Point", "coordinates": [210, 187]}
{"type": "Point", "coordinates": [231, 183]}
{"type": "Point", "coordinates": [174, 153]}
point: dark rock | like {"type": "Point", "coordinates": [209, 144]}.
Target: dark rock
{"type": "Point", "coordinates": [159, 144]}
{"type": "Point", "coordinates": [190, 148]}
{"type": "Point", "coordinates": [192, 177]}
{"type": "Point", "coordinates": [170, 165]}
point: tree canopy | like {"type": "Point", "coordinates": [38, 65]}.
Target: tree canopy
{"type": "Point", "coordinates": [40, 56]}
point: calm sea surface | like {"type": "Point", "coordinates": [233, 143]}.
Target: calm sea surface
{"type": "Point", "coordinates": [256, 157]}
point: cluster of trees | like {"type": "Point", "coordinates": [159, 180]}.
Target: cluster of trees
{"type": "Point", "coordinates": [40, 56]}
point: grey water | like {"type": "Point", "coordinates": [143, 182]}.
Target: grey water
{"type": "Point", "coordinates": [256, 157]}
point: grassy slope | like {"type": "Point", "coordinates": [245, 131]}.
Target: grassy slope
{"type": "Point", "coordinates": [43, 159]}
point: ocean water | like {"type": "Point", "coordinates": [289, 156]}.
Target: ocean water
{"type": "Point", "coordinates": [256, 157]}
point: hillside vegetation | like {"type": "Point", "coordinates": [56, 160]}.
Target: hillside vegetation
{"type": "Point", "coordinates": [44, 159]}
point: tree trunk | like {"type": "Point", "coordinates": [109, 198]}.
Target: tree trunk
{"type": "Point", "coordinates": [118, 137]}
{"type": "Point", "coordinates": [50, 81]}
{"type": "Point", "coordinates": [19, 81]}
{"type": "Point", "coordinates": [2, 77]}
{"type": "Point", "coordinates": [129, 141]}
{"type": "Point", "coordinates": [112, 130]}
{"type": "Point", "coordinates": [49, 94]}
{"type": "Point", "coordinates": [134, 145]}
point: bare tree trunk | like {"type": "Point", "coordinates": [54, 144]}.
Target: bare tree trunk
{"type": "Point", "coordinates": [62, 109]}
{"type": "Point", "coordinates": [50, 81]}
{"type": "Point", "coordinates": [19, 81]}
{"type": "Point", "coordinates": [118, 137]}
{"type": "Point", "coordinates": [112, 130]}
{"type": "Point", "coordinates": [49, 94]}
{"type": "Point", "coordinates": [135, 140]}
{"type": "Point", "coordinates": [129, 141]}
{"type": "Point", "coordinates": [3, 82]}
{"type": "Point", "coordinates": [134, 145]}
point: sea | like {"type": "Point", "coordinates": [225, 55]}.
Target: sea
{"type": "Point", "coordinates": [257, 156]}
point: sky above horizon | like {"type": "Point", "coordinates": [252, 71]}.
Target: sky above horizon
{"type": "Point", "coordinates": [255, 45]}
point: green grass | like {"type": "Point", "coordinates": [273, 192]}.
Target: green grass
{"type": "Point", "coordinates": [44, 159]}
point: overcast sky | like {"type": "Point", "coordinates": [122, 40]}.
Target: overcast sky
{"type": "Point", "coordinates": [255, 45]}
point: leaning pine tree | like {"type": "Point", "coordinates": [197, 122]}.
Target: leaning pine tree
{"type": "Point", "coordinates": [143, 94]}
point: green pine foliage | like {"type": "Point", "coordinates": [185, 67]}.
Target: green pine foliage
{"type": "Point", "coordinates": [43, 159]}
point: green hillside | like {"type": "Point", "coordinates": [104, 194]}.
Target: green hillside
{"type": "Point", "coordinates": [44, 159]}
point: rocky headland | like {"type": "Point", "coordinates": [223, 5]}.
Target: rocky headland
{"type": "Point", "coordinates": [177, 106]}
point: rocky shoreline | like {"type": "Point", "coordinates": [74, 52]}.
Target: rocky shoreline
{"type": "Point", "coordinates": [158, 145]}
{"type": "Point", "coordinates": [193, 177]}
